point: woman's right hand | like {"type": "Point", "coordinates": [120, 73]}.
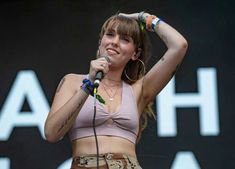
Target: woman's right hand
{"type": "Point", "coordinates": [100, 64]}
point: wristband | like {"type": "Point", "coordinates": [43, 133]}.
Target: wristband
{"type": "Point", "coordinates": [155, 21]}
{"type": "Point", "coordinates": [87, 86]}
{"type": "Point", "coordinates": [140, 17]}
{"type": "Point", "coordinates": [149, 21]}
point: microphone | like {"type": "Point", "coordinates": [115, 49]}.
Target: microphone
{"type": "Point", "coordinates": [100, 74]}
{"type": "Point", "coordinates": [98, 77]}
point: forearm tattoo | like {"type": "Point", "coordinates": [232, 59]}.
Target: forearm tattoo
{"type": "Point", "coordinates": [60, 85]}
{"type": "Point", "coordinates": [71, 115]}
{"type": "Point", "coordinates": [65, 122]}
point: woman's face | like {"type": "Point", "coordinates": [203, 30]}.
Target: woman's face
{"type": "Point", "coordinates": [119, 48]}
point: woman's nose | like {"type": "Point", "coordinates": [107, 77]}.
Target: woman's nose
{"type": "Point", "coordinates": [115, 40]}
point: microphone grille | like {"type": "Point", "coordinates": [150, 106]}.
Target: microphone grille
{"type": "Point", "coordinates": [107, 58]}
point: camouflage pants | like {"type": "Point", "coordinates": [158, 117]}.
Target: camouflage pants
{"type": "Point", "coordinates": [106, 161]}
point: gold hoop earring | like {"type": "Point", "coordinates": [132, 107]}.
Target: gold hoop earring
{"type": "Point", "coordinates": [143, 67]}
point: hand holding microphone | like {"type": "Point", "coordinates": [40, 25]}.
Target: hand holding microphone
{"type": "Point", "coordinates": [100, 74]}
{"type": "Point", "coordinates": [98, 68]}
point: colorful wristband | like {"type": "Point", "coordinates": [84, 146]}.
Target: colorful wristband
{"type": "Point", "coordinates": [155, 21]}
{"type": "Point", "coordinates": [149, 21]}
{"type": "Point", "coordinates": [141, 17]}
{"type": "Point", "coordinates": [87, 86]}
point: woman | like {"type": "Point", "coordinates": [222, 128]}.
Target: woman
{"type": "Point", "coordinates": [126, 89]}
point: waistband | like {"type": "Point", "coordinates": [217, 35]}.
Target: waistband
{"type": "Point", "coordinates": [107, 160]}
{"type": "Point", "coordinates": [108, 156]}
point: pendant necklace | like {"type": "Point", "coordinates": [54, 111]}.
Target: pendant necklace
{"type": "Point", "coordinates": [111, 96]}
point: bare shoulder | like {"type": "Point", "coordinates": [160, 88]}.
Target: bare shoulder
{"type": "Point", "coordinates": [67, 87]}
{"type": "Point", "coordinates": [72, 77]}
{"type": "Point", "coordinates": [71, 81]}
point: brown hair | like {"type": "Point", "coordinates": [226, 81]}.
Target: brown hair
{"type": "Point", "coordinates": [134, 69]}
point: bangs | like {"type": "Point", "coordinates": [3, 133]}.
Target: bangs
{"type": "Point", "coordinates": [124, 27]}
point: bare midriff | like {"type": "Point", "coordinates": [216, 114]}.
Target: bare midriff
{"type": "Point", "coordinates": [107, 144]}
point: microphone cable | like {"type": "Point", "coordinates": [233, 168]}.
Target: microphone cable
{"type": "Point", "coordinates": [94, 129]}
{"type": "Point", "coordinates": [99, 76]}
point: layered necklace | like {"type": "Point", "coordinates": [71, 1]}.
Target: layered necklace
{"type": "Point", "coordinates": [109, 91]}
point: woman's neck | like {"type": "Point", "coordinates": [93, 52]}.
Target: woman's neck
{"type": "Point", "coordinates": [114, 76]}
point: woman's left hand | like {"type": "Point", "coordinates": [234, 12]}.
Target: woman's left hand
{"type": "Point", "coordinates": [134, 15]}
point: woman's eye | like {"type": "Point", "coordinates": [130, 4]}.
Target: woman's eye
{"type": "Point", "coordinates": [127, 39]}
{"type": "Point", "coordinates": [109, 34]}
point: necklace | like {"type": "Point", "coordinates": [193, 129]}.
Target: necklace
{"type": "Point", "coordinates": [113, 93]}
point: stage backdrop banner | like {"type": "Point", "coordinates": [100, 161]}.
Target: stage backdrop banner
{"type": "Point", "coordinates": [42, 41]}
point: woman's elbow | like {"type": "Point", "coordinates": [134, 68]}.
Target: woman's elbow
{"type": "Point", "coordinates": [50, 139]}
{"type": "Point", "coordinates": [185, 44]}
{"type": "Point", "coordinates": [182, 47]}
{"type": "Point", "coordinates": [49, 135]}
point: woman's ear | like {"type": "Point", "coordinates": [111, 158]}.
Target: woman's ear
{"type": "Point", "coordinates": [137, 54]}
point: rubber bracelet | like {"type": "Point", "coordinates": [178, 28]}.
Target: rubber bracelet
{"type": "Point", "coordinates": [149, 22]}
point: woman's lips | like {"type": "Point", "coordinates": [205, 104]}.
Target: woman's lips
{"type": "Point", "coordinates": [112, 51]}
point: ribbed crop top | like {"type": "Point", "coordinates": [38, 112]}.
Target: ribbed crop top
{"type": "Point", "coordinates": [122, 123]}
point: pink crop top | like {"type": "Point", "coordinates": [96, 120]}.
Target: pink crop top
{"type": "Point", "coordinates": [122, 123]}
